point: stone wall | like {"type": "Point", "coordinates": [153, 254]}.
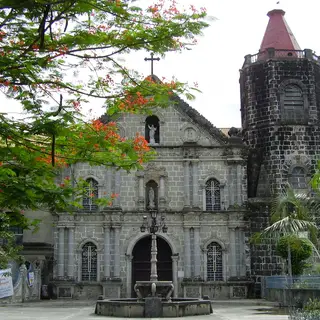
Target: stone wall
{"type": "Point", "coordinates": [275, 144]}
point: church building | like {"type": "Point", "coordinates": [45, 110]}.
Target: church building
{"type": "Point", "coordinates": [209, 190]}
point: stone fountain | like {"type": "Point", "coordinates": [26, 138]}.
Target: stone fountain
{"type": "Point", "coordinates": [153, 297]}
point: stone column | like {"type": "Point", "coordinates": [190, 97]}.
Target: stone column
{"type": "Point", "coordinates": [161, 187]}
{"type": "Point", "coordinates": [186, 184]}
{"type": "Point", "coordinates": [71, 252]}
{"type": "Point", "coordinates": [109, 180]}
{"type": "Point", "coordinates": [204, 198]}
{"type": "Point", "coordinates": [175, 259]}
{"type": "Point", "coordinates": [61, 252]}
{"type": "Point", "coordinates": [195, 186]}
{"type": "Point", "coordinates": [232, 182]}
{"type": "Point", "coordinates": [233, 257]}
{"type": "Point", "coordinates": [106, 252]}
{"type": "Point", "coordinates": [197, 260]}
{"type": "Point", "coordinates": [187, 258]}
{"type": "Point", "coordinates": [239, 186]}
{"type": "Point", "coordinates": [129, 275]}
{"type": "Point", "coordinates": [141, 191]}
{"type": "Point", "coordinates": [117, 188]}
{"type": "Point", "coordinates": [205, 264]}
{"type": "Point", "coordinates": [117, 251]}
{"type": "Point", "coordinates": [141, 188]}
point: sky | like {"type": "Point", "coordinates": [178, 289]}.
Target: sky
{"type": "Point", "coordinates": [215, 62]}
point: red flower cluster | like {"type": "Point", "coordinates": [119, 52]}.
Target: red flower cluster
{"type": "Point", "coordinates": [131, 102]}
{"type": "Point", "coordinates": [110, 130]}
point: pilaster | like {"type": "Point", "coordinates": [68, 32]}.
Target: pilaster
{"type": "Point", "coordinates": [186, 184]}
{"type": "Point", "coordinates": [195, 200]}
{"type": "Point", "coordinates": [175, 259]}
{"type": "Point", "coordinates": [117, 251]}
{"type": "Point", "coordinates": [71, 252]}
{"type": "Point", "coordinates": [187, 253]}
{"type": "Point", "coordinates": [197, 260]}
{"type": "Point", "coordinates": [61, 252]}
{"type": "Point", "coordinates": [106, 251]}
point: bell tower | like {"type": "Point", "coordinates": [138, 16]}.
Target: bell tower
{"type": "Point", "coordinates": [280, 113]}
{"type": "Point", "coordinates": [280, 105]}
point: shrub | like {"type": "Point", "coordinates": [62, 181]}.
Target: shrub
{"type": "Point", "coordinates": [301, 249]}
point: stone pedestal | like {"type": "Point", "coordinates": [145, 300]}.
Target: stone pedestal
{"type": "Point", "coordinates": [112, 288]}
{"type": "Point", "coordinates": [153, 307]}
{"type": "Point", "coordinates": [65, 289]}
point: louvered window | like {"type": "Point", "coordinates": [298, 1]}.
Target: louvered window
{"type": "Point", "coordinates": [214, 262]}
{"type": "Point", "coordinates": [89, 262]}
{"type": "Point", "coordinates": [213, 195]}
{"type": "Point", "coordinates": [91, 194]}
{"type": "Point", "coordinates": [297, 178]}
{"type": "Point", "coordinates": [293, 104]}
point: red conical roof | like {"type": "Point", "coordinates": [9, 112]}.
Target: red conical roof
{"type": "Point", "coordinates": [278, 34]}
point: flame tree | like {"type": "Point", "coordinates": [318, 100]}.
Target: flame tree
{"type": "Point", "coordinates": [55, 57]}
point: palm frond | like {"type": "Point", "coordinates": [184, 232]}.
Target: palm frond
{"type": "Point", "coordinates": [288, 225]}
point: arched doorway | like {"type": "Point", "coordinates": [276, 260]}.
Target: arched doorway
{"type": "Point", "coordinates": [141, 266]}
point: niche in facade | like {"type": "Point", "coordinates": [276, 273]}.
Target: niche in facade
{"type": "Point", "coordinates": [152, 195]}
{"type": "Point", "coordinates": [152, 130]}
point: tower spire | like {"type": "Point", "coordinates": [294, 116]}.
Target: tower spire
{"type": "Point", "coordinates": [278, 34]}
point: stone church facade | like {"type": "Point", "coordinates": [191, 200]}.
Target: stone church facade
{"type": "Point", "coordinates": [212, 190]}
{"type": "Point", "coordinates": [198, 185]}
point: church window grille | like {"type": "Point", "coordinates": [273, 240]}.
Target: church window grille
{"type": "Point", "coordinates": [297, 178]}
{"type": "Point", "coordinates": [152, 129]}
{"type": "Point", "coordinates": [214, 262]}
{"type": "Point", "coordinates": [293, 104]}
{"type": "Point", "coordinates": [213, 195]}
{"type": "Point", "coordinates": [89, 262]}
{"type": "Point", "coordinates": [18, 236]}
{"type": "Point", "coordinates": [91, 194]}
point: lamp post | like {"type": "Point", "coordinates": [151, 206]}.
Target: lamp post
{"type": "Point", "coordinates": [153, 226]}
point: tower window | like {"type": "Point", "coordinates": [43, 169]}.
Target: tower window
{"type": "Point", "coordinates": [297, 178]}
{"type": "Point", "coordinates": [293, 104]}
{"type": "Point", "coordinates": [90, 195]}
{"type": "Point", "coordinates": [152, 130]}
{"type": "Point", "coordinates": [213, 195]}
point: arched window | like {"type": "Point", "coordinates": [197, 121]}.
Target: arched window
{"type": "Point", "coordinates": [214, 262]}
{"type": "Point", "coordinates": [297, 178]}
{"type": "Point", "coordinates": [213, 195]}
{"type": "Point", "coordinates": [152, 130]}
{"type": "Point", "coordinates": [91, 193]}
{"type": "Point", "coordinates": [152, 195]}
{"type": "Point", "coordinates": [293, 104]}
{"type": "Point", "coordinates": [89, 262]}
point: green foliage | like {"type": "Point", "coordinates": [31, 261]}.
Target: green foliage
{"type": "Point", "coordinates": [301, 249]}
{"type": "Point", "coordinates": [59, 55]}
{"type": "Point", "coordinates": [312, 305]}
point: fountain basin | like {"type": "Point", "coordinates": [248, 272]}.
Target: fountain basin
{"type": "Point", "coordinates": [134, 308]}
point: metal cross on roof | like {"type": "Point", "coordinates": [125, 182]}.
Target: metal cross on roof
{"type": "Point", "coordinates": [152, 59]}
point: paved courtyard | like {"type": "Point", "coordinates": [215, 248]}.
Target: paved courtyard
{"type": "Point", "coordinates": [224, 310]}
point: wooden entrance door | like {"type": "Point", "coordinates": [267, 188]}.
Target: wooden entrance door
{"type": "Point", "coordinates": [141, 266]}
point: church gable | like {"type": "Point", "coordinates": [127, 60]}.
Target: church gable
{"type": "Point", "coordinates": [178, 124]}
